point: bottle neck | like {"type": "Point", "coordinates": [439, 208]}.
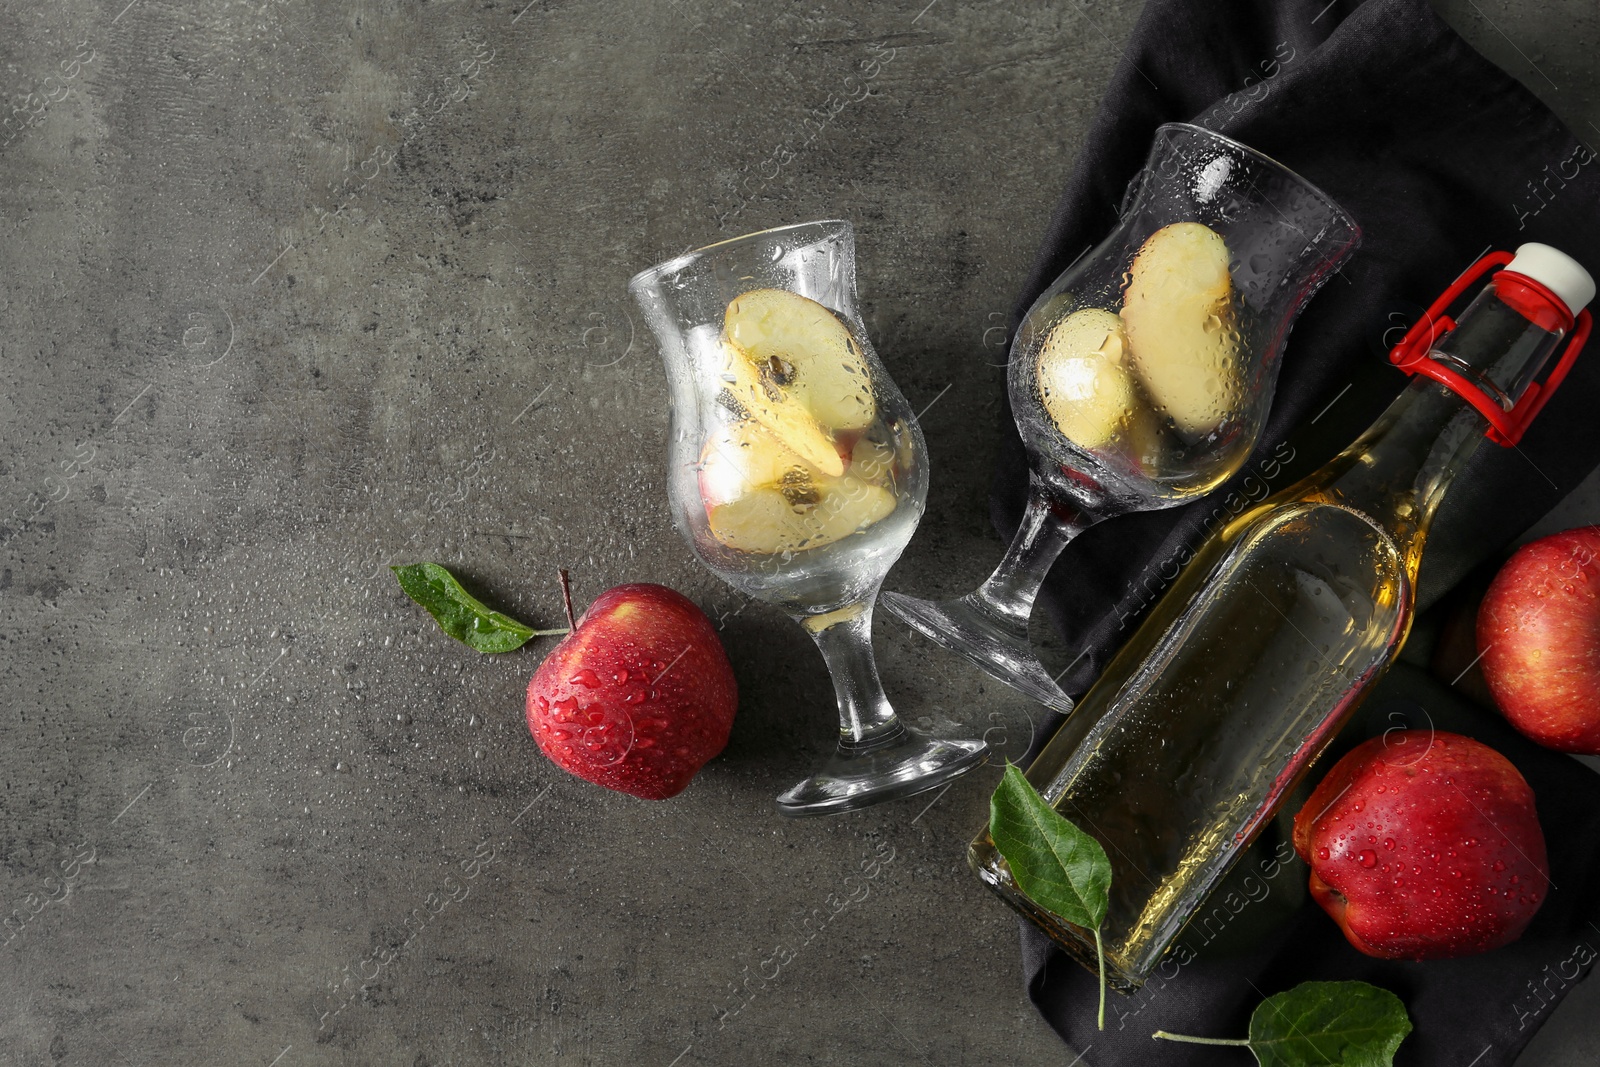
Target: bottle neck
{"type": "Point", "coordinates": [1398, 471]}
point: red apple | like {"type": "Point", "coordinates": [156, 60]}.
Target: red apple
{"type": "Point", "coordinates": [638, 697]}
{"type": "Point", "coordinates": [1539, 636]}
{"type": "Point", "coordinates": [1424, 845]}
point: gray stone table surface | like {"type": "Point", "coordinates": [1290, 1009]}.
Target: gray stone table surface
{"type": "Point", "coordinates": [296, 289]}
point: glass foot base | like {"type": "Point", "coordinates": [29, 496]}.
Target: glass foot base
{"type": "Point", "coordinates": [912, 764]}
{"type": "Point", "coordinates": [964, 626]}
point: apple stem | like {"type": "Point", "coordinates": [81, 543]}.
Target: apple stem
{"type": "Point", "coordinates": [1163, 1035]}
{"type": "Point", "coordinates": [566, 598]}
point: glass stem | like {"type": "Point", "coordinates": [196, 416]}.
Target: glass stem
{"type": "Point", "coordinates": [866, 720]}
{"type": "Point", "coordinates": [1046, 529]}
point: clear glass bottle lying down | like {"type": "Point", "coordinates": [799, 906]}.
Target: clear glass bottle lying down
{"type": "Point", "coordinates": [1218, 705]}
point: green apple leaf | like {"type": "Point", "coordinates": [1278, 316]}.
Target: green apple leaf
{"type": "Point", "coordinates": [1351, 1024]}
{"type": "Point", "coordinates": [460, 614]}
{"type": "Point", "coordinates": [1322, 1024]}
{"type": "Point", "coordinates": [1063, 869]}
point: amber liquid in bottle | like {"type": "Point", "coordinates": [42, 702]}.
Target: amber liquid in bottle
{"type": "Point", "coordinates": [1217, 706]}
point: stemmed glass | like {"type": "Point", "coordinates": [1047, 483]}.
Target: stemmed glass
{"type": "Point", "coordinates": [1141, 378]}
{"type": "Point", "coordinates": [797, 473]}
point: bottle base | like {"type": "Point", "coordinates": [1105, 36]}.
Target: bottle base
{"type": "Point", "coordinates": [990, 867]}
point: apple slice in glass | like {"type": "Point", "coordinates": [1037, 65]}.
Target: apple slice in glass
{"type": "Point", "coordinates": [792, 365]}
{"type": "Point", "coordinates": [762, 497]}
{"type": "Point", "coordinates": [1182, 337]}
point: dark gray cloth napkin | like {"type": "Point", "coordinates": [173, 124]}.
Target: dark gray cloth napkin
{"type": "Point", "coordinates": [1439, 155]}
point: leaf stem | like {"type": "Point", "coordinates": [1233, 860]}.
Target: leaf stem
{"type": "Point", "coordinates": [1239, 1042]}
{"type": "Point", "coordinates": [550, 633]}
{"type": "Point", "coordinates": [566, 601]}
{"type": "Point", "coordinates": [1100, 951]}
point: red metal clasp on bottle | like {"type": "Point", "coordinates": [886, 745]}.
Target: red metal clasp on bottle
{"type": "Point", "coordinates": [1534, 300]}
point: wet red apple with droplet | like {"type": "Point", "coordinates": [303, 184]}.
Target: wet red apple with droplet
{"type": "Point", "coordinates": [1539, 639]}
{"type": "Point", "coordinates": [1424, 845]}
{"type": "Point", "coordinates": [638, 697]}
